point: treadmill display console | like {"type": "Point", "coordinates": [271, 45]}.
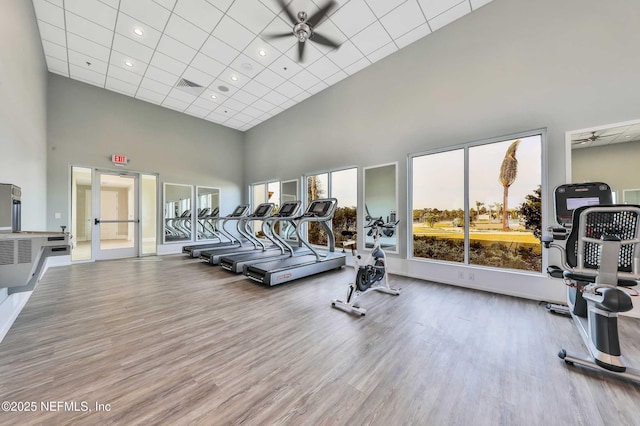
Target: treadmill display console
{"type": "Point", "coordinates": [319, 208]}
{"type": "Point", "coordinates": [287, 209]}
{"type": "Point", "coordinates": [571, 196]}
{"type": "Point", "coordinates": [238, 211]}
{"type": "Point", "coordinates": [262, 210]}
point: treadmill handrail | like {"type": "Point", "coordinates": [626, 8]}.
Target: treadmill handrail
{"type": "Point", "coordinates": [271, 221]}
{"type": "Point", "coordinates": [247, 231]}
{"type": "Point", "coordinates": [310, 217]}
{"type": "Point", "coordinates": [225, 219]}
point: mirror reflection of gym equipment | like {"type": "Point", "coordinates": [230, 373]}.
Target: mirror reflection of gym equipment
{"type": "Point", "coordinates": [177, 212]}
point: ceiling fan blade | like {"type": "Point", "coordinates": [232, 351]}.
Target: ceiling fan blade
{"type": "Point", "coordinates": [300, 51]}
{"type": "Point", "coordinates": [608, 136]}
{"type": "Point", "coordinates": [323, 40]}
{"type": "Point", "coordinates": [289, 13]}
{"type": "Point", "coordinates": [316, 17]}
{"type": "Point", "coordinates": [272, 36]}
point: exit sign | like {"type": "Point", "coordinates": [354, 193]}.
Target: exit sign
{"type": "Point", "coordinates": [119, 159]}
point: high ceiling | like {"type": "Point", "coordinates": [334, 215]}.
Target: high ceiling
{"type": "Point", "coordinates": [159, 50]}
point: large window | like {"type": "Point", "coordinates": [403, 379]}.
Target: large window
{"type": "Point", "coordinates": [492, 220]}
{"type": "Point", "coordinates": [268, 192]}
{"type": "Point", "coordinates": [339, 184]}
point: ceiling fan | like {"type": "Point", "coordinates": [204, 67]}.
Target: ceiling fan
{"type": "Point", "coordinates": [592, 138]}
{"type": "Point", "coordinates": [303, 27]}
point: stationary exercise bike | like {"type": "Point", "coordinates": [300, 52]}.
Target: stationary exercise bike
{"type": "Point", "coordinates": [600, 255]}
{"type": "Point", "coordinates": [370, 273]}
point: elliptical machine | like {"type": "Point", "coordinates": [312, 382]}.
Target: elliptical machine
{"type": "Point", "coordinates": [370, 274]}
{"type": "Point", "coordinates": [601, 254]}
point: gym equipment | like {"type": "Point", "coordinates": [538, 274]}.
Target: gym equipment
{"type": "Point", "coordinates": [302, 265]}
{"type": "Point", "coordinates": [241, 211]}
{"type": "Point", "coordinates": [279, 250]}
{"type": "Point", "coordinates": [599, 256]}
{"type": "Point", "coordinates": [370, 274]}
{"type": "Point", "coordinates": [263, 211]}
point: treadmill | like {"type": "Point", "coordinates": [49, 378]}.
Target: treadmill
{"type": "Point", "coordinates": [261, 212]}
{"type": "Point", "coordinates": [281, 271]}
{"type": "Point", "coordinates": [241, 211]}
{"type": "Point", "coordinates": [280, 249]}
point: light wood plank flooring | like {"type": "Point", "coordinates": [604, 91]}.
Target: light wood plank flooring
{"type": "Point", "coordinates": [175, 341]}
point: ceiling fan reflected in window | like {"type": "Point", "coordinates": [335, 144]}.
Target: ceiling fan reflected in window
{"type": "Point", "coordinates": [592, 138]}
{"type": "Point", "coordinates": [303, 27]}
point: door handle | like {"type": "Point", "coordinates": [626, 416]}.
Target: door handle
{"type": "Point", "coordinates": [96, 221]}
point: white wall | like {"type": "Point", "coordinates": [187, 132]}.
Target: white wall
{"type": "Point", "coordinates": [511, 66]}
{"type": "Point", "coordinates": [88, 124]}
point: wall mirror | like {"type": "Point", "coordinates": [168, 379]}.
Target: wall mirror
{"type": "Point", "coordinates": [380, 197]}
{"type": "Point", "coordinates": [608, 154]}
{"type": "Point", "coordinates": [288, 192]}
{"type": "Point", "coordinates": [207, 212]}
{"type": "Point", "coordinates": [177, 215]}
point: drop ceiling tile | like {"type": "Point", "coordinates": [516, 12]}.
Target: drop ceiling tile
{"type": "Point", "coordinates": [433, 8]}
{"type": "Point", "coordinates": [233, 123]}
{"type": "Point", "coordinates": [54, 50]}
{"type": "Point", "coordinates": [301, 97]}
{"type": "Point", "coordinates": [304, 79]}
{"type": "Point", "coordinates": [247, 66]}
{"type": "Point", "coordinates": [269, 78]}
{"type": "Point", "coordinates": [277, 27]}
{"type": "Point", "coordinates": [382, 7]}
{"type": "Point", "coordinates": [227, 76]}
{"type": "Point", "coordinates": [177, 94]}
{"type": "Point", "coordinates": [49, 13]}
{"type": "Point", "coordinates": [340, 75]}
{"type": "Point", "coordinates": [475, 4]}
{"type": "Point", "coordinates": [59, 3]}
{"type": "Point", "coordinates": [234, 104]}
{"type": "Point", "coordinates": [223, 5]}
{"type": "Point", "coordinates": [80, 60]}
{"type": "Point", "coordinates": [274, 97]}
{"type": "Point", "coordinates": [167, 4]}
{"type": "Point", "coordinates": [413, 35]}
{"type": "Point", "coordinates": [176, 104]}
{"type": "Point", "coordinates": [234, 34]}
{"type": "Point", "coordinates": [217, 118]}
{"type": "Point", "coordinates": [88, 30]}
{"type": "Point", "coordinates": [449, 16]}
{"type": "Point", "coordinates": [253, 49]}
{"type": "Point", "coordinates": [252, 14]}
{"type": "Point", "coordinates": [243, 117]}
{"type": "Point", "coordinates": [215, 86]}
{"type": "Point", "coordinates": [126, 24]}
{"type": "Point", "coordinates": [317, 87]}
{"type": "Point", "coordinates": [93, 10]}
{"type": "Point", "coordinates": [263, 105]}
{"type": "Point", "coordinates": [225, 111]}
{"type": "Point", "coordinates": [118, 60]}
{"type": "Point", "coordinates": [218, 50]}
{"type": "Point", "coordinates": [403, 19]}
{"type": "Point", "coordinates": [205, 64]}
{"type": "Point", "coordinates": [256, 89]}
{"type": "Point", "coordinates": [357, 66]}
{"type": "Point", "coordinates": [146, 11]}
{"type": "Point", "coordinates": [386, 50]}
{"type": "Point", "coordinates": [185, 32]}
{"type": "Point", "coordinates": [52, 33]}
{"type": "Point", "coordinates": [310, 55]}
{"type": "Point", "coordinates": [323, 68]}
{"type": "Point", "coordinates": [161, 75]}
{"type": "Point", "coordinates": [346, 55]}
{"type": "Point", "coordinates": [113, 3]}
{"type": "Point", "coordinates": [353, 17]}
{"type": "Point", "coordinates": [87, 75]}
{"type": "Point", "coordinates": [371, 38]}
{"type": "Point", "coordinates": [130, 48]}
{"type": "Point", "coordinates": [124, 75]}
{"type": "Point", "coordinates": [150, 96]}
{"type": "Point", "coordinates": [175, 49]}
{"type": "Point", "coordinates": [288, 104]}
{"type": "Point", "coordinates": [245, 97]}
{"type": "Point", "coordinates": [120, 86]}
{"type": "Point", "coordinates": [330, 31]}
{"type": "Point", "coordinates": [58, 66]}
{"type": "Point", "coordinates": [252, 112]}
{"type": "Point", "coordinates": [285, 67]}
{"type": "Point", "coordinates": [155, 86]}
{"type": "Point", "coordinates": [197, 76]}
{"type": "Point", "coordinates": [88, 47]}
{"type": "Point", "coordinates": [197, 111]}
{"type": "Point", "coordinates": [288, 89]}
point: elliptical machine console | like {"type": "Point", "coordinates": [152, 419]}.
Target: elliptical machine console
{"type": "Point", "coordinates": [599, 256]}
{"type": "Point", "coordinates": [372, 270]}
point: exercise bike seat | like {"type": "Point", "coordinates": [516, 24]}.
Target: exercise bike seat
{"type": "Point", "coordinates": [588, 278]}
{"type": "Point", "coordinates": [610, 299]}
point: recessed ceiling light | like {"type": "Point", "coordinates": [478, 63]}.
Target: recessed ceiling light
{"type": "Point", "coordinates": [234, 78]}
{"type": "Point", "coordinates": [138, 31]}
{"type": "Point", "coordinates": [262, 52]}
{"type": "Point", "coordinates": [214, 97]}
{"type": "Point", "coordinates": [128, 63]}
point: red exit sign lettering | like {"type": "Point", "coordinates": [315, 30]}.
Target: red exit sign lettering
{"type": "Point", "coordinates": [119, 159]}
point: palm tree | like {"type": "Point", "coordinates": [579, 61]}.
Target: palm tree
{"type": "Point", "coordinates": [508, 173]}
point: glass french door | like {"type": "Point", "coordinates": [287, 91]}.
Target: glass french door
{"type": "Point", "coordinates": [116, 218]}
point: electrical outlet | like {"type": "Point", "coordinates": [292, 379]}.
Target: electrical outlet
{"type": "Point", "coordinates": [472, 276]}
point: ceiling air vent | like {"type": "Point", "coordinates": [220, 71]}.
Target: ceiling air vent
{"type": "Point", "coordinates": [189, 87]}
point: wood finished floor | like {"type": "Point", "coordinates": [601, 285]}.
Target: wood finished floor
{"type": "Point", "coordinates": [176, 341]}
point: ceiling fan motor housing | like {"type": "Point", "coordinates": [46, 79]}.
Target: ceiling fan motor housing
{"type": "Point", "coordinates": [302, 31]}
